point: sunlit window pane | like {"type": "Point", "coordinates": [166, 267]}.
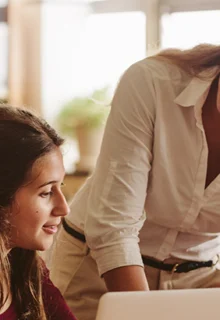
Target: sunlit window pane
{"type": "Point", "coordinates": [83, 52]}
{"type": "Point", "coordinates": [3, 60]}
{"type": "Point", "coordinates": [3, 3]}
{"type": "Point", "coordinates": [111, 43]}
{"type": "Point", "coordinates": [187, 29]}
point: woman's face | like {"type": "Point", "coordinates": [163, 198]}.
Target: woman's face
{"type": "Point", "coordinates": [39, 204]}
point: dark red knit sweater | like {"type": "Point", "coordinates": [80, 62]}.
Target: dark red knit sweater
{"type": "Point", "coordinates": [55, 306]}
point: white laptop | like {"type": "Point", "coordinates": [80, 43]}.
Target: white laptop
{"type": "Point", "coordinates": [194, 304]}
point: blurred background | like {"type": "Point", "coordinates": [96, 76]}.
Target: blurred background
{"type": "Point", "coordinates": [63, 58]}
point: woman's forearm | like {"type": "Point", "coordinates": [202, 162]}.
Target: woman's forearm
{"type": "Point", "coordinates": [127, 278]}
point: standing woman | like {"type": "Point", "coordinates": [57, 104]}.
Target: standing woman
{"type": "Point", "coordinates": [31, 207]}
{"type": "Point", "coordinates": [156, 180]}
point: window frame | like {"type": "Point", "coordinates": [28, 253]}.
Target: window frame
{"type": "Point", "coordinates": [4, 19]}
{"type": "Point", "coordinates": [171, 6]}
{"type": "Point", "coordinates": [4, 14]}
{"type": "Point", "coordinates": [110, 6]}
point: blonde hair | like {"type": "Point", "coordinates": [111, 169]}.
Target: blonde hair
{"type": "Point", "coordinates": [194, 61]}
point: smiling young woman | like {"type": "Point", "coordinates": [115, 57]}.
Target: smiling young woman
{"type": "Point", "coordinates": [31, 207]}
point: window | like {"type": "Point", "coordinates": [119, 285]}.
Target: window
{"type": "Point", "coordinates": [3, 51]}
{"type": "Point", "coordinates": [187, 29]}
{"type": "Point", "coordinates": [112, 42]}
{"type": "Point", "coordinates": [83, 51]}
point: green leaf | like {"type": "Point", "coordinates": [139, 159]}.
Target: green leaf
{"type": "Point", "coordinates": [84, 111]}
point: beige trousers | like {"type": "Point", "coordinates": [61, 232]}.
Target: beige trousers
{"type": "Point", "coordinates": [75, 273]}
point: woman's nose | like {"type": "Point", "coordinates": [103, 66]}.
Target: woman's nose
{"type": "Point", "coordinates": [62, 208]}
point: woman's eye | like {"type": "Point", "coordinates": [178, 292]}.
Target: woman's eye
{"type": "Point", "coordinates": [46, 194]}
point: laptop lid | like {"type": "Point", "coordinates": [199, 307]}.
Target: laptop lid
{"type": "Point", "coordinates": [193, 304]}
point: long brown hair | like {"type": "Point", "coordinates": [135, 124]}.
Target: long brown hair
{"type": "Point", "coordinates": [24, 138]}
{"type": "Point", "coordinates": [194, 61]}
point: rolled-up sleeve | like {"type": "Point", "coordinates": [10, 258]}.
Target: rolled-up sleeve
{"type": "Point", "coordinates": [115, 204]}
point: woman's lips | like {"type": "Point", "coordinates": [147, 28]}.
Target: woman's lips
{"type": "Point", "coordinates": [50, 229]}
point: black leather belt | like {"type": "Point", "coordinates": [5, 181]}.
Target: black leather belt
{"type": "Point", "coordinates": [176, 267]}
{"type": "Point", "coordinates": [73, 232]}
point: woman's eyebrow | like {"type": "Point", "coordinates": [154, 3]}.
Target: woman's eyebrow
{"type": "Point", "coordinates": [46, 183]}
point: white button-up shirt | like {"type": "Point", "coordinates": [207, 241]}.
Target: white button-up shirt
{"type": "Point", "coordinates": [149, 183]}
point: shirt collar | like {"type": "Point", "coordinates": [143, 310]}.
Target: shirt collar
{"type": "Point", "coordinates": [196, 88]}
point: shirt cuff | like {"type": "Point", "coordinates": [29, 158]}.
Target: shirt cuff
{"type": "Point", "coordinates": [116, 256]}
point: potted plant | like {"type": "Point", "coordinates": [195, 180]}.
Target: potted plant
{"type": "Point", "coordinates": [84, 118]}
